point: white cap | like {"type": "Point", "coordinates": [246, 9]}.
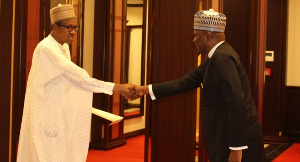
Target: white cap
{"type": "Point", "coordinates": [62, 12]}
{"type": "Point", "coordinates": [210, 21]}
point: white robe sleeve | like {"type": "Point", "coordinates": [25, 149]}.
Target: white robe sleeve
{"type": "Point", "coordinates": [52, 64]}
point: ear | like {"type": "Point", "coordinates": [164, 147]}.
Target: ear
{"type": "Point", "coordinates": [208, 36]}
{"type": "Point", "coordinates": [54, 27]}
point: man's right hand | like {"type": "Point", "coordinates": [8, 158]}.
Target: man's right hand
{"type": "Point", "coordinates": [142, 90]}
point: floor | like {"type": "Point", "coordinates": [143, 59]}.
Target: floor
{"type": "Point", "coordinates": [272, 150]}
{"type": "Point", "coordinates": [133, 151]}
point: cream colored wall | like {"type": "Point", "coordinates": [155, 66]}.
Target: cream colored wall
{"type": "Point", "coordinates": [88, 46]}
{"type": "Point", "coordinates": [138, 123]}
{"type": "Point", "coordinates": [88, 38]}
{"type": "Point", "coordinates": [293, 47]}
{"type": "Point", "coordinates": [135, 17]}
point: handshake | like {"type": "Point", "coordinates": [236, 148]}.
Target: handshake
{"type": "Point", "coordinates": [130, 91]}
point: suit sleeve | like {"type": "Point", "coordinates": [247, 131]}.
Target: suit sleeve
{"type": "Point", "coordinates": [187, 83]}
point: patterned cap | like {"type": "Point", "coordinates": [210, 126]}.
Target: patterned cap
{"type": "Point", "coordinates": [62, 12]}
{"type": "Point", "coordinates": [210, 21]}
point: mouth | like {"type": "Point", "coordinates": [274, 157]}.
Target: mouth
{"type": "Point", "coordinates": [197, 47]}
{"type": "Point", "coordinates": [72, 38]}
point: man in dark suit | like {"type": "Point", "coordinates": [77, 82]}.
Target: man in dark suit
{"type": "Point", "coordinates": [230, 120]}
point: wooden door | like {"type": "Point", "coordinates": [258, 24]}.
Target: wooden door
{"type": "Point", "coordinates": [273, 108]}
{"type": "Point", "coordinates": [170, 56]}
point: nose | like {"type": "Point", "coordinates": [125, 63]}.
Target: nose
{"type": "Point", "coordinates": [74, 31]}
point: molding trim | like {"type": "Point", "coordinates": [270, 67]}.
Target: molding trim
{"type": "Point", "coordinates": [107, 146]}
{"type": "Point", "coordinates": [134, 133]}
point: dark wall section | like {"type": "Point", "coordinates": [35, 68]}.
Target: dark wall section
{"type": "Point", "coordinates": [19, 74]}
{"type": "Point", "coordinates": [273, 117]}
{"type": "Point", "coordinates": [10, 122]}
{"type": "Point", "coordinates": [237, 27]}
{"type": "Point", "coordinates": [170, 56]}
{"type": "Point", "coordinates": [6, 9]}
{"type": "Point", "coordinates": [292, 113]}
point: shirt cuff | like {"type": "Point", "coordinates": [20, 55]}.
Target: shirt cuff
{"type": "Point", "coordinates": [108, 88]}
{"type": "Point", "coordinates": [151, 92]}
{"type": "Point", "coordinates": [238, 148]}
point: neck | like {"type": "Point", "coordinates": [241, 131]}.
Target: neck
{"type": "Point", "coordinates": [217, 38]}
{"type": "Point", "coordinates": [56, 38]}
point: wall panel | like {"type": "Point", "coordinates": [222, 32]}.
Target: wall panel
{"type": "Point", "coordinates": [6, 17]}
{"type": "Point", "coordinates": [273, 106]}
{"type": "Point", "coordinates": [19, 72]}
{"type": "Point", "coordinates": [292, 114]}
{"type": "Point", "coordinates": [170, 56]}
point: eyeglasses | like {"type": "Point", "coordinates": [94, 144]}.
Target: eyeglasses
{"type": "Point", "coordinates": [70, 28]}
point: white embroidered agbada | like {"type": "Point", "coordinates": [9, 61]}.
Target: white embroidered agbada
{"type": "Point", "coordinates": [57, 110]}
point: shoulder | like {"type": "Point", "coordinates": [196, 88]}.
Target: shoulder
{"type": "Point", "coordinates": [47, 46]}
{"type": "Point", "coordinates": [225, 51]}
{"type": "Point", "coordinates": [48, 43]}
{"type": "Point", "coordinates": [225, 57]}
{"type": "Point", "coordinates": [226, 48]}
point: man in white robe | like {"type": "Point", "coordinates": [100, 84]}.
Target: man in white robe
{"type": "Point", "coordinates": [57, 110]}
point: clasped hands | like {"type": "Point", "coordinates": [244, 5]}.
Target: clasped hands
{"type": "Point", "coordinates": [131, 91]}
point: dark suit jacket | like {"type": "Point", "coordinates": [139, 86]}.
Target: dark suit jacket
{"type": "Point", "coordinates": [229, 115]}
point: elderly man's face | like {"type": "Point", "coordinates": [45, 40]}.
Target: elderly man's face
{"type": "Point", "coordinates": [200, 41]}
{"type": "Point", "coordinates": [66, 31]}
